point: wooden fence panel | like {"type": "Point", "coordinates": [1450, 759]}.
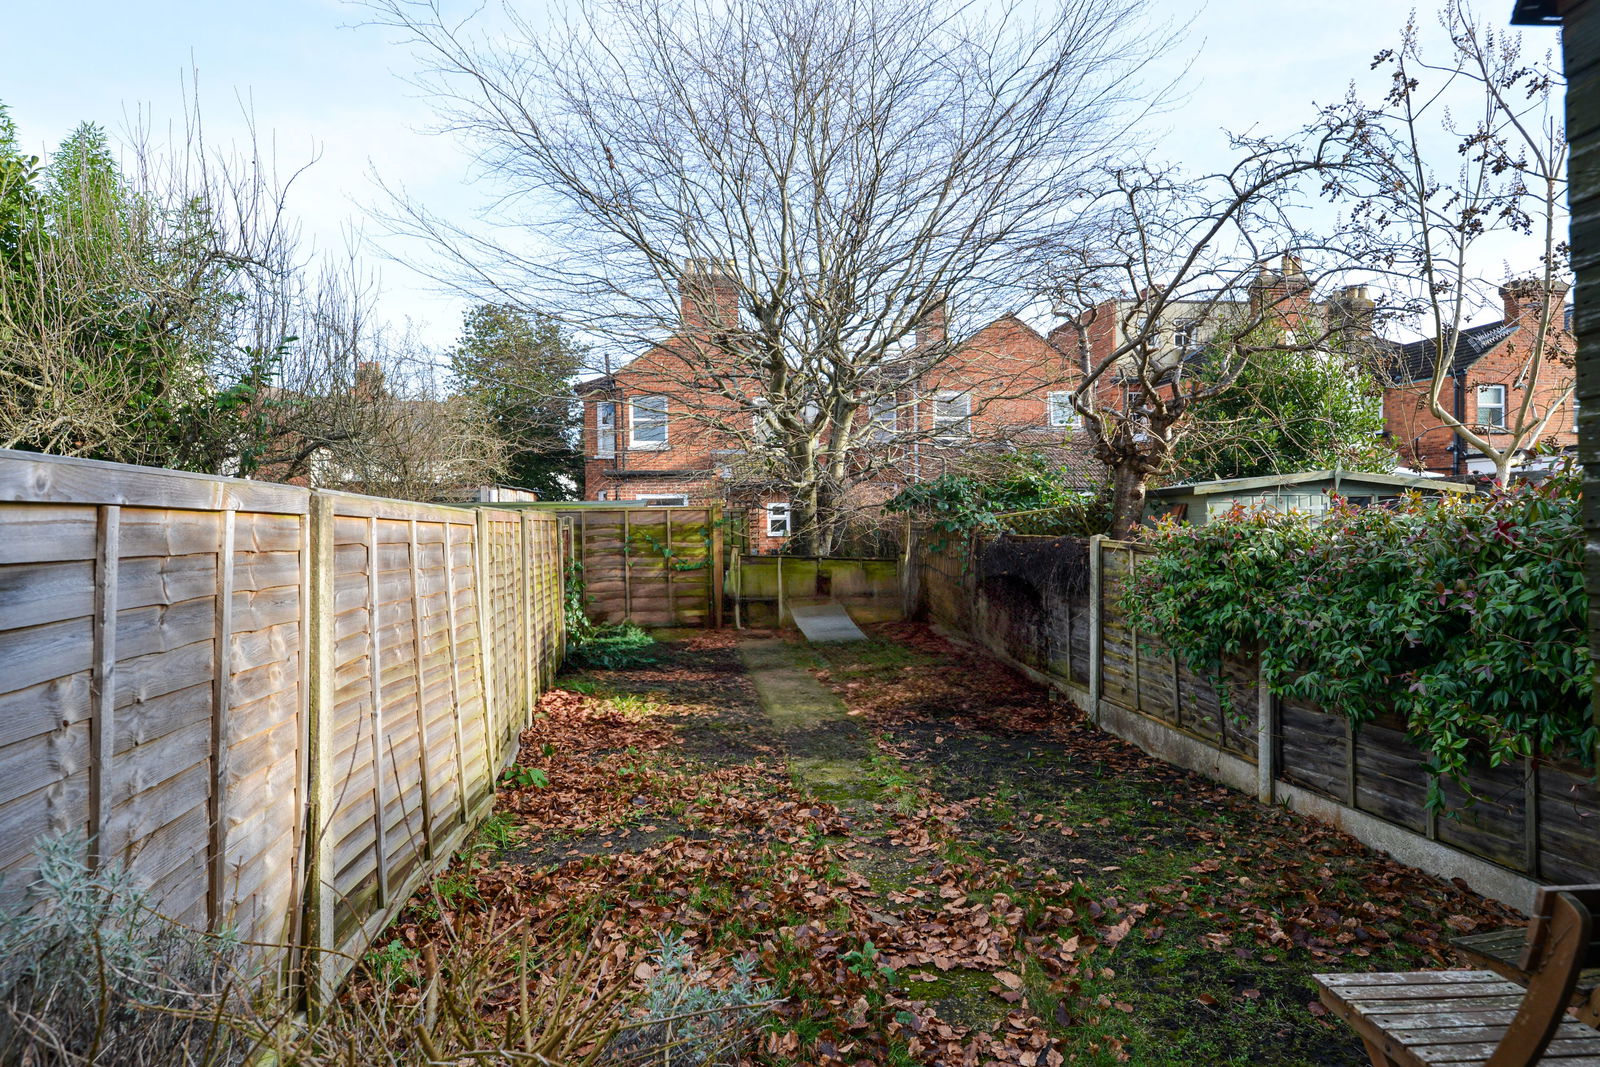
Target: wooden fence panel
{"type": "Point", "coordinates": [199, 669]}
{"type": "Point", "coordinates": [655, 566]}
{"type": "Point", "coordinates": [1541, 819]}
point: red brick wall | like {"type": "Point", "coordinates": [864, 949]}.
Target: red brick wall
{"type": "Point", "coordinates": [1008, 369]}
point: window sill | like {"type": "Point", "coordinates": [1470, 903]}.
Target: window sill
{"type": "Point", "coordinates": [636, 446]}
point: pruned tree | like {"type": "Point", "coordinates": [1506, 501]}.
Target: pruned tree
{"type": "Point", "coordinates": [770, 197]}
{"type": "Point", "coordinates": [1461, 166]}
{"type": "Point", "coordinates": [1187, 281]}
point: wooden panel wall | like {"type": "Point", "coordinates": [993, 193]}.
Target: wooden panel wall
{"type": "Point", "coordinates": [1539, 818]}
{"type": "Point", "coordinates": [279, 709]}
{"type": "Point", "coordinates": [652, 566]}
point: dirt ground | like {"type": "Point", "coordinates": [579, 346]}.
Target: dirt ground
{"type": "Point", "coordinates": [931, 860]}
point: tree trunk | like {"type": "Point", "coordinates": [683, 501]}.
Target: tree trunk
{"type": "Point", "coordinates": [1127, 501]}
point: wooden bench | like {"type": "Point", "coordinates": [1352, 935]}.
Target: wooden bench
{"type": "Point", "coordinates": [1500, 951]}
{"type": "Point", "coordinates": [1479, 1018]}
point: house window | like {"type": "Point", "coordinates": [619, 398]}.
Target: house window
{"type": "Point", "coordinates": [1062, 413]}
{"type": "Point", "coordinates": [605, 429]}
{"type": "Point", "coordinates": [777, 520]}
{"type": "Point", "coordinates": [647, 422]}
{"type": "Point", "coordinates": [663, 500]}
{"type": "Point", "coordinates": [1574, 414]}
{"type": "Point", "coordinates": [885, 416]}
{"type": "Point", "coordinates": [951, 410]}
{"type": "Point", "coordinates": [1183, 333]}
{"type": "Point", "coordinates": [1492, 406]}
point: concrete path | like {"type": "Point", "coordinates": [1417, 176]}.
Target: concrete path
{"type": "Point", "coordinates": [826, 622]}
{"type": "Point", "coordinates": [826, 748]}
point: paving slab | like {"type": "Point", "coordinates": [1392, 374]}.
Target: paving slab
{"type": "Point", "coordinates": [826, 622]}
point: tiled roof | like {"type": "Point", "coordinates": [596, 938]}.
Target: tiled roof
{"type": "Point", "coordinates": [1414, 362]}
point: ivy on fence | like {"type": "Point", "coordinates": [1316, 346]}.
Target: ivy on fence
{"type": "Point", "coordinates": [1466, 617]}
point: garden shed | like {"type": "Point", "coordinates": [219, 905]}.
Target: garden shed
{"type": "Point", "coordinates": [1308, 492]}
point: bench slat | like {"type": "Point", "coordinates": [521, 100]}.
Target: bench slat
{"type": "Point", "coordinates": [1444, 1006]}
{"type": "Point", "coordinates": [1463, 991]}
{"type": "Point", "coordinates": [1343, 979]}
{"type": "Point", "coordinates": [1436, 1019]}
{"type": "Point", "coordinates": [1478, 1053]}
{"type": "Point", "coordinates": [1446, 1035]}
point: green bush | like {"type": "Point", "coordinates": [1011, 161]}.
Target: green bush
{"type": "Point", "coordinates": [1464, 616]}
{"type": "Point", "coordinates": [611, 647]}
{"type": "Point", "coordinates": [1024, 495]}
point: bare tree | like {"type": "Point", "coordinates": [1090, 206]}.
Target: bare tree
{"type": "Point", "coordinates": [835, 173]}
{"type": "Point", "coordinates": [1464, 160]}
{"type": "Point", "coordinates": [357, 405]}
{"type": "Point", "coordinates": [1185, 282]}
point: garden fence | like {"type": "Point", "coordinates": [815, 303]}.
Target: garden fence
{"type": "Point", "coordinates": [1051, 606]}
{"type": "Point", "coordinates": [280, 709]}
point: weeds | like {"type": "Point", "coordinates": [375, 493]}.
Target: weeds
{"type": "Point", "coordinates": [610, 647]}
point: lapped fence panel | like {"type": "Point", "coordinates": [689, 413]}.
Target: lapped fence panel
{"type": "Point", "coordinates": [279, 709]}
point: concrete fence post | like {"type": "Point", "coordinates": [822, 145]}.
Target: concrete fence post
{"type": "Point", "coordinates": [1097, 621]}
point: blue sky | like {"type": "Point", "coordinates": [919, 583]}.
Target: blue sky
{"type": "Point", "coordinates": [321, 86]}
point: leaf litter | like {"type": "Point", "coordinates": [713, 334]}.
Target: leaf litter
{"type": "Point", "coordinates": [645, 828]}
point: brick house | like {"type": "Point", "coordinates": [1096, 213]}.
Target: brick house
{"type": "Point", "coordinates": [1186, 326]}
{"type": "Point", "coordinates": [650, 435]}
{"type": "Point", "coordinates": [1485, 385]}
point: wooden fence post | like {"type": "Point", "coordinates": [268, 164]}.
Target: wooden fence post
{"type": "Point", "coordinates": [221, 703]}
{"type": "Point", "coordinates": [1096, 627]}
{"type": "Point", "coordinates": [103, 680]}
{"type": "Point", "coordinates": [525, 628]}
{"type": "Point", "coordinates": [455, 666]}
{"type": "Point", "coordinates": [419, 650]}
{"type": "Point", "coordinates": [319, 892]}
{"type": "Point", "coordinates": [1133, 639]}
{"type": "Point", "coordinates": [627, 566]}
{"type": "Point", "coordinates": [480, 572]}
{"type": "Point", "coordinates": [375, 718]}
{"type": "Point", "coordinates": [1349, 762]}
{"type": "Point", "coordinates": [714, 517]}
{"type": "Point", "coordinates": [1530, 818]}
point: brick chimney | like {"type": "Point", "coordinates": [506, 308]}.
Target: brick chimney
{"type": "Point", "coordinates": [1285, 292]}
{"type": "Point", "coordinates": [708, 297]}
{"type": "Point", "coordinates": [1351, 312]}
{"type": "Point", "coordinates": [369, 381]}
{"type": "Point", "coordinates": [1524, 302]}
{"type": "Point", "coordinates": [933, 327]}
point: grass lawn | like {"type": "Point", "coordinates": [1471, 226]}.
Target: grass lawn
{"type": "Point", "coordinates": [934, 862]}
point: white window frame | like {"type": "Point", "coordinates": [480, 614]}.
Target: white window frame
{"type": "Point", "coordinates": [634, 407]}
{"type": "Point", "coordinates": [780, 518]}
{"type": "Point", "coordinates": [1183, 333]}
{"type": "Point", "coordinates": [952, 427]}
{"type": "Point", "coordinates": [605, 429]}
{"type": "Point", "coordinates": [884, 414]}
{"type": "Point", "coordinates": [1574, 412]}
{"type": "Point", "coordinates": [1497, 424]}
{"type": "Point", "coordinates": [663, 500]}
{"type": "Point", "coordinates": [1059, 411]}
